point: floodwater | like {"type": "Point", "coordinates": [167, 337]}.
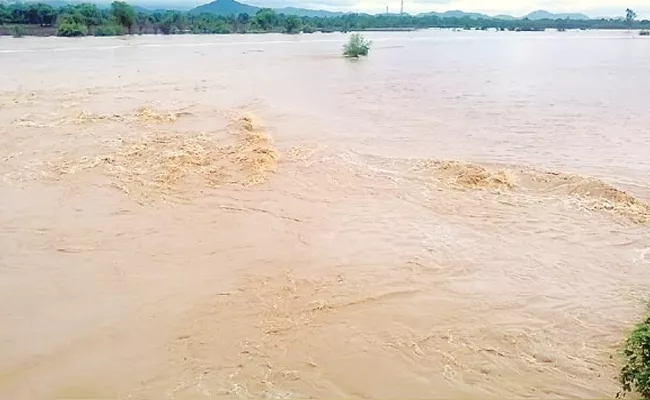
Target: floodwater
{"type": "Point", "coordinates": [461, 214]}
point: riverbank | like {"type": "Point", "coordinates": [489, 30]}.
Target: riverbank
{"type": "Point", "coordinates": [121, 18]}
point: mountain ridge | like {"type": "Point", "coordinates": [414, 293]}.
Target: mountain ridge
{"type": "Point", "coordinates": [233, 7]}
{"type": "Point", "coordinates": [229, 7]}
{"type": "Point", "coordinates": [535, 15]}
{"type": "Point", "coordinates": [543, 14]}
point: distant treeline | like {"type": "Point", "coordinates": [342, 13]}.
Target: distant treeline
{"type": "Point", "coordinates": [122, 18]}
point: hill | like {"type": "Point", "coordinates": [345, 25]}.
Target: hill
{"type": "Point", "coordinates": [462, 14]}
{"type": "Point", "coordinates": [303, 12]}
{"type": "Point", "coordinates": [535, 15]}
{"type": "Point", "coordinates": [225, 7]}
{"type": "Point", "coordinates": [232, 7]}
{"type": "Point", "coordinates": [505, 17]}
{"type": "Point", "coordinates": [456, 14]}
{"type": "Point", "coordinates": [542, 14]}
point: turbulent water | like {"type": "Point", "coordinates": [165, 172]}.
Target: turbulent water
{"type": "Point", "coordinates": [461, 214]}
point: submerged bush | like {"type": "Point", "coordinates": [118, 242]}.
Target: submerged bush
{"type": "Point", "coordinates": [109, 30]}
{"type": "Point", "coordinates": [18, 31]}
{"type": "Point", "coordinates": [635, 374]}
{"type": "Point", "coordinates": [71, 29]}
{"type": "Point", "coordinates": [308, 29]}
{"type": "Point", "coordinates": [357, 46]}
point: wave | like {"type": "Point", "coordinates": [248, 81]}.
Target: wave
{"type": "Point", "coordinates": [591, 193]}
{"type": "Point", "coordinates": [156, 165]}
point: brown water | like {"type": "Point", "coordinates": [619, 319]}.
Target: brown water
{"type": "Point", "coordinates": [253, 216]}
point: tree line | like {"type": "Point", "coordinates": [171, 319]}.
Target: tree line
{"type": "Point", "coordinates": [121, 18]}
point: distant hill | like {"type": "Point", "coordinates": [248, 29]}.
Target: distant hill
{"type": "Point", "coordinates": [457, 14]}
{"type": "Point", "coordinates": [303, 12]}
{"type": "Point", "coordinates": [504, 17]}
{"type": "Point", "coordinates": [462, 14]}
{"type": "Point", "coordinates": [541, 14]}
{"type": "Point", "coordinates": [535, 15]}
{"type": "Point", "coordinates": [225, 7]}
{"type": "Point", "coordinates": [232, 7]}
{"type": "Point", "coordinates": [145, 10]}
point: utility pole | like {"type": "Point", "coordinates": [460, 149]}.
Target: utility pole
{"type": "Point", "coordinates": [401, 10]}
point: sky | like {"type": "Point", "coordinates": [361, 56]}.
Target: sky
{"type": "Point", "coordinates": [593, 8]}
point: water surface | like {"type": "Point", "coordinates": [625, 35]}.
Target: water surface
{"type": "Point", "coordinates": [358, 264]}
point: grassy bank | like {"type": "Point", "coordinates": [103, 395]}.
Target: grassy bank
{"type": "Point", "coordinates": [635, 373]}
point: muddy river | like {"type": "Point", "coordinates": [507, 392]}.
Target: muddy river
{"type": "Point", "coordinates": [461, 214]}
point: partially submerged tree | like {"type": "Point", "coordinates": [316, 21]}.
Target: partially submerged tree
{"type": "Point", "coordinates": [18, 31]}
{"type": "Point", "coordinates": [243, 20]}
{"type": "Point", "coordinates": [292, 24]}
{"type": "Point", "coordinates": [630, 16]}
{"type": "Point", "coordinates": [91, 14]}
{"type": "Point", "coordinates": [124, 14]}
{"type": "Point", "coordinates": [357, 46]}
{"type": "Point", "coordinates": [141, 20]}
{"type": "Point", "coordinates": [266, 19]}
{"type": "Point", "coordinates": [71, 28]}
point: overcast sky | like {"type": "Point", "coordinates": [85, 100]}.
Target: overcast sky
{"type": "Point", "coordinates": [593, 8]}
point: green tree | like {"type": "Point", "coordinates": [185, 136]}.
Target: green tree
{"type": "Point", "coordinates": [90, 12]}
{"type": "Point", "coordinates": [124, 14]}
{"type": "Point", "coordinates": [31, 14]}
{"type": "Point", "coordinates": [109, 30]}
{"type": "Point", "coordinates": [292, 24]}
{"type": "Point", "coordinates": [70, 28]}
{"type": "Point", "coordinates": [141, 20]}
{"type": "Point", "coordinates": [630, 16]}
{"type": "Point", "coordinates": [5, 15]}
{"type": "Point", "coordinates": [18, 31]}
{"type": "Point", "coordinates": [266, 19]}
{"type": "Point", "coordinates": [37, 14]}
{"type": "Point", "coordinates": [357, 46]}
{"type": "Point", "coordinates": [243, 20]}
{"type": "Point", "coordinates": [47, 15]}
{"type": "Point", "coordinates": [308, 28]}
{"type": "Point", "coordinates": [18, 13]}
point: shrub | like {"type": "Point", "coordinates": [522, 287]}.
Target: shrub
{"type": "Point", "coordinates": [109, 30]}
{"type": "Point", "coordinates": [18, 31]}
{"type": "Point", "coordinates": [71, 29]}
{"type": "Point", "coordinates": [635, 374]}
{"type": "Point", "coordinates": [308, 29]}
{"type": "Point", "coordinates": [292, 24]}
{"type": "Point", "coordinates": [357, 46]}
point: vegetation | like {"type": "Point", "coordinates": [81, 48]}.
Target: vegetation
{"type": "Point", "coordinates": [293, 24]}
{"type": "Point", "coordinates": [635, 374]}
{"type": "Point", "coordinates": [18, 31]}
{"type": "Point", "coordinates": [71, 28]}
{"type": "Point", "coordinates": [109, 30]}
{"type": "Point", "coordinates": [357, 46]}
{"type": "Point", "coordinates": [122, 18]}
{"type": "Point", "coordinates": [630, 15]}
{"type": "Point", "coordinates": [123, 14]}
